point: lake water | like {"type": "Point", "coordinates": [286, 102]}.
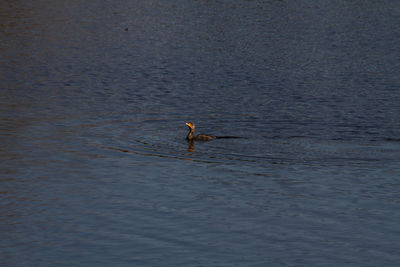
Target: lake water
{"type": "Point", "coordinates": [95, 169]}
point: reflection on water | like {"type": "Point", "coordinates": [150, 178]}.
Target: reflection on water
{"type": "Point", "coordinates": [190, 146]}
{"type": "Point", "coordinates": [94, 164]}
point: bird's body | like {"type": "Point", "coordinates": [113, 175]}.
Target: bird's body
{"type": "Point", "coordinates": [200, 137]}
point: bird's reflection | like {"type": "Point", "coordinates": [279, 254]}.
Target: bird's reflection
{"type": "Point", "coordinates": [190, 146]}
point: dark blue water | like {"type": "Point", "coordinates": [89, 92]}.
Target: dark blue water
{"type": "Point", "coordinates": [95, 169]}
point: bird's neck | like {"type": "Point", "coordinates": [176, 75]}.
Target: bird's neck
{"type": "Point", "coordinates": [190, 135]}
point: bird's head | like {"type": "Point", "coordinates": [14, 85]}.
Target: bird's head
{"type": "Point", "coordinates": [190, 125]}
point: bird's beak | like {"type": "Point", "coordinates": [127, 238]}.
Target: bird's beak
{"type": "Point", "coordinates": [188, 124]}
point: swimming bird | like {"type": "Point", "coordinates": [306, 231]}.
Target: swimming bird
{"type": "Point", "coordinates": [200, 137]}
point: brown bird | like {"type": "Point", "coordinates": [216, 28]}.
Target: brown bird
{"type": "Point", "coordinates": [199, 137]}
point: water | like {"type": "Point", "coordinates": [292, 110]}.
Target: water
{"type": "Point", "coordinates": [95, 169]}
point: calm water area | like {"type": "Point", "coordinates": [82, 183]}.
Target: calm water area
{"type": "Point", "coordinates": [95, 169]}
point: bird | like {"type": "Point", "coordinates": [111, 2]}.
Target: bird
{"type": "Point", "coordinates": [200, 137]}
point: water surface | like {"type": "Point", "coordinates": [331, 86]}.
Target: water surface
{"type": "Point", "coordinates": [95, 169]}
